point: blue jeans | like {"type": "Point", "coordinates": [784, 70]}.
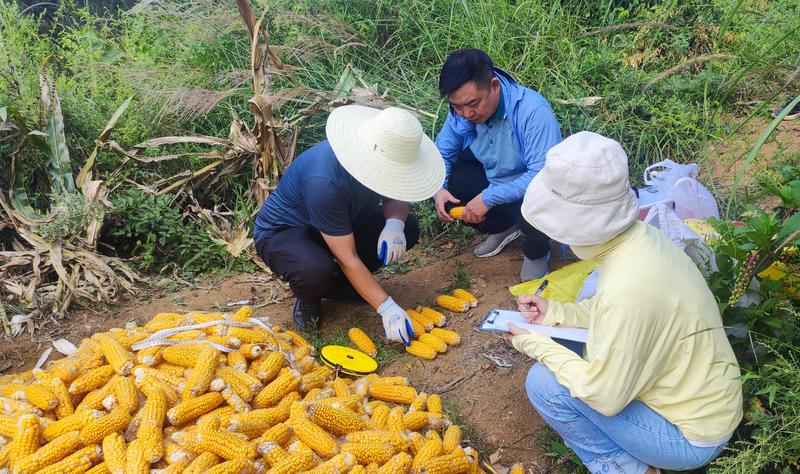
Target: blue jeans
{"type": "Point", "coordinates": [625, 443]}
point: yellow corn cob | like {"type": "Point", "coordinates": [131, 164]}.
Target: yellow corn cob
{"type": "Point", "coordinates": [394, 422]}
{"type": "Point", "coordinates": [101, 468]}
{"type": "Point", "coordinates": [91, 380]}
{"type": "Point", "coordinates": [393, 380]}
{"type": "Point", "coordinates": [452, 338]}
{"type": "Point", "coordinates": [26, 441]}
{"type": "Point", "coordinates": [277, 389]}
{"type": "Point", "coordinates": [56, 386]}
{"type": "Point", "coordinates": [517, 469]}
{"type": "Point", "coordinates": [341, 387]}
{"type": "Point", "coordinates": [242, 383]}
{"type": "Point", "coordinates": [135, 458]}
{"type": "Point", "coordinates": [40, 396]}
{"type": "Point", "coordinates": [456, 462]}
{"type": "Point", "coordinates": [272, 452]}
{"type": "Point", "coordinates": [173, 370]}
{"type": "Point", "coordinates": [13, 390]}
{"type": "Point", "coordinates": [278, 434]}
{"type": "Point", "coordinates": [379, 416]}
{"type": "Point", "coordinates": [193, 408]}
{"type": "Point", "coordinates": [392, 393]}
{"type": "Point", "coordinates": [149, 356]}
{"type": "Point", "coordinates": [72, 367]}
{"type": "Point", "coordinates": [184, 355]}
{"type": "Point", "coordinates": [255, 422]}
{"type": "Point", "coordinates": [394, 439]}
{"type": "Point", "coordinates": [246, 335]}
{"type": "Point", "coordinates": [438, 319]}
{"type": "Point", "coordinates": [163, 321]}
{"type": "Point", "coordinates": [74, 422]}
{"type": "Point", "coordinates": [421, 350]}
{"type": "Point", "coordinates": [235, 466]}
{"type": "Point", "coordinates": [451, 303]}
{"type": "Point", "coordinates": [77, 462]}
{"type": "Point", "coordinates": [237, 361]}
{"type": "Point", "coordinates": [177, 382]}
{"type": "Point", "coordinates": [114, 453]}
{"type": "Point", "coordinates": [466, 296]}
{"type": "Point", "coordinates": [190, 335]}
{"type": "Point", "coordinates": [314, 436]}
{"type": "Point", "coordinates": [226, 445]}
{"type": "Point", "coordinates": [116, 355]}
{"type": "Point", "coordinates": [367, 453]}
{"type": "Point", "coordinates": [415, 420]}
{"type": "Point", "coordinates": [127, 394]}
{"type": "Point", "coordinates": [434, 404]}
{"type": "Point", "coordinates": [358, 469]}
{"type": "Point", "coordinates": [147, 382]}
{"type": "Point", "coordinates": [251, 351]}
{"type": "Point", "coordinates": [176, 468]}
{"type": "Point", "coordinates": [311, 380]}
{"type": "Point", "coordinates": [431, 449]}
{"type": "Point", "coordinates": [188, 439]}
{"type": "Point", "coordinates": [452, 438]}
{"type": "Point", "coordinates": [95, 430]}
{"type": "Point", "coordinates": [202, 463]}
{"type": "Point", "coordinates": [18, 407]}
{"type": "Point", "coordinates": [457, 212]}
{"type": "Point", "coordinates": [48, 454]}
{"type": "Point", "coordinates": [439, 345]}
{"type": "Point", "coordinates": [335, 419]}
{"type": "Point", "coordinates": [5, 454]}
{"type": "Point", "coordinates": [202, 373]}
{"type": "Point", "coordinates": [267, 367]}
{"type": "Point", "coordinates": [417, 327]}
{"type": "Point", "coordinates": [360, 339]}
{"type": "Point", "coordinates": [152, 424]}
{"type": "Point", "coordinates": [342, 462]}
{"type": "Point", "coordinates": [400, 462]}
{"type": "Point", "coordinates": [242, 314]}
{"type": "Point", "coordinates": [415, 442]}
{"type": "Point", "coordinates": [474, 464]}
{"type": "Point", "coordinates": [296, 339]}
{"type": "Point", "coordinates": [433, 434]}
{"type": "Point", "coordinates": [232, 398]}
{"type": "Point", "coordinates": [420, 320]}
{"type": "Point", "coordinates": [306, 364]}
{"type": "Point", "coordinates": [295, 462]}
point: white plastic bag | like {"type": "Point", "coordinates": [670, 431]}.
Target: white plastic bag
{"type": "Point", "coordinates": [664, 174]}
{"type": "Point", "coordinates": [693, 200]}
{"type": "Point", "coordinates": [665, 219]}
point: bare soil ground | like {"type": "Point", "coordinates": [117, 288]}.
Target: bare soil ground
{"type": "Point", "coordinates": [488, 399]}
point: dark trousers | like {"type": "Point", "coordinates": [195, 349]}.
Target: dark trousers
{"type": "Point", "coordinates": [467, 180]}
{"type": "Point", "coordinates": [302, 258]}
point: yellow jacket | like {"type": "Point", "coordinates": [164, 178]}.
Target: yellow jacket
{"type": "Point", "coordinates": [655, 335]}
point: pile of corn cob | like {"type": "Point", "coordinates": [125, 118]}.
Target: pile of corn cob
{"type": "Point", "coordinates": [267, 406]}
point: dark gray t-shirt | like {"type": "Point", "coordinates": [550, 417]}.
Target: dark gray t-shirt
{"type": "Point", "coordinates": [316, 192]}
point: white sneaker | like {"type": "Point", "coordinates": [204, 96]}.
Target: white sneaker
{"type": "Point", "coordinates": [495, 243]}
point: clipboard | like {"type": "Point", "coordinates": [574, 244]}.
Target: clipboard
{"type": "Point", "coordinates": [496, 320]}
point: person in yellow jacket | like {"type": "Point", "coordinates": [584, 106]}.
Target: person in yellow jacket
{"type": "Point", "coordinates": [658, 385]}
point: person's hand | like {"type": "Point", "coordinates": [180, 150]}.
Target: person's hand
{"type": "Point", "coordinates": [514, 331]}
{"type": "Point", "coordinates": [533, 308]}
{"type": "Point", "coordinates": [441, 198]}
{"type": "Point", "coordinates": [392, 241]}
{"type": "Point", "coordinates": [475, 210]}
{"type": "Point", "coordinates": [396, 325]}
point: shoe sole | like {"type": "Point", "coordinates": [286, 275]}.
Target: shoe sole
{"type": "Point", "coordinates": [509, 238]}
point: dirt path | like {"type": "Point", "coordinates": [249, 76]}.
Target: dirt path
{"type": "Point", "coordinates": [488, 399]}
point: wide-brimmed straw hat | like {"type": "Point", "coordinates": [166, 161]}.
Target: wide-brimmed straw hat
{"type": "Point", "coordinates": [583, 194]}
{"type": "Point", "coordinates": [386, 151]}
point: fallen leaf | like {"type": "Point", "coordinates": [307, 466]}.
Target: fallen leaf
{"type": "Point", "coordinates": [583, 101]}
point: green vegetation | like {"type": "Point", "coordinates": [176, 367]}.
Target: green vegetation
{"type": "Point", "coordinates": [666, 79]}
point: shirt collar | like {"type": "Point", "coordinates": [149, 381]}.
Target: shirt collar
{"type": "Point", "coordinates": [500, 113]}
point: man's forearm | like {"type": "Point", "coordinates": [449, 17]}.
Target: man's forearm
{"type": "Point", "coordinates": [395, 209]}
{"type": "Point", "coordinates": [363, 282]}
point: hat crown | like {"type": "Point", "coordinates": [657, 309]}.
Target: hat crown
{"type": "Point", "coordinates": [587, 168]}
{"type": "Point", "coordinates": [396, 134]}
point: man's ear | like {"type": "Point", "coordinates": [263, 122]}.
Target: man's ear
{"type": "Point", "coordinates": [494, 85]}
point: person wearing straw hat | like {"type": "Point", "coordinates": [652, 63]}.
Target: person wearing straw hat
{"type": "Point", "coordinates": [493, 142]}
{"type": "Point", "coordinates": [341, 211]}
{"type": "Point", "coordinates": [658, 385]}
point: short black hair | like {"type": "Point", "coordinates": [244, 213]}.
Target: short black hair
{"type": "Point", "coordinates": [462, 66]}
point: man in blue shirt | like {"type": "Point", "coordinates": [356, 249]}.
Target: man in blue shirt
{"type": "Point", "coordinates": [493, 142]}
{"type": "Point", "coordinates": [341, 211]}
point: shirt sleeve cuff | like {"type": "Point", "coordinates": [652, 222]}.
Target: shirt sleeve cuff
{"type": "Point", "coordinates": [489, 197]}
{"type": "Point", "coordinates": [555, 314]}
{"type": "Point", "coordinates": [530, 343]}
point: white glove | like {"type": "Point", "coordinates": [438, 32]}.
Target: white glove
{"type": "Point", "coordinates": [392, 241]}
{"type": "Point", "coordinates": [396, 325]}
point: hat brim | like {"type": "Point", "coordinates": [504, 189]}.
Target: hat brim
{"type": "Point", "coordinates": [413, 181]}
{"type": "Point", "coordinates": [574, 223]}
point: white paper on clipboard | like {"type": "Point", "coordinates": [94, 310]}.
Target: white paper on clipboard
{"type": "Point", "coordinates": [497, 321]}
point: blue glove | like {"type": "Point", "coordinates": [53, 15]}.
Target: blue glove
{"type": "Point", "coordinates": [392, 241]}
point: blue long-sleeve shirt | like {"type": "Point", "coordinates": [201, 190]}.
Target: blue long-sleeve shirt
{"type": "Point", "coordinates": [510, 162]}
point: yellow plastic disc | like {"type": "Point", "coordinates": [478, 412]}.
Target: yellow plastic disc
{"type": "Point", "coordinates": [348, 360]}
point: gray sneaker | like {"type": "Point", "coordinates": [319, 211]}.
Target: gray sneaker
{"type": "Point", "coordinates": [533, 269]}
{"type": "Point", "coordinates": [495, 243]}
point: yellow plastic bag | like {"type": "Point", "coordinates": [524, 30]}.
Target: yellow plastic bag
{"type": "Point", "coordinates": [563, 285]}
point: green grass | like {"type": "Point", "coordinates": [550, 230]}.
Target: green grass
{"type": "Point", "coordinates": [386, 352]}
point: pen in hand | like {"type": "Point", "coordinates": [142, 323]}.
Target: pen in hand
{"type": "Point", "coordinates": [538, 292]}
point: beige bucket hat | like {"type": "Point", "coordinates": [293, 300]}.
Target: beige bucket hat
{"type": "Point", "coordinates": [386, 151]}
{"type": "Point", "coordinates": [583, 194]}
